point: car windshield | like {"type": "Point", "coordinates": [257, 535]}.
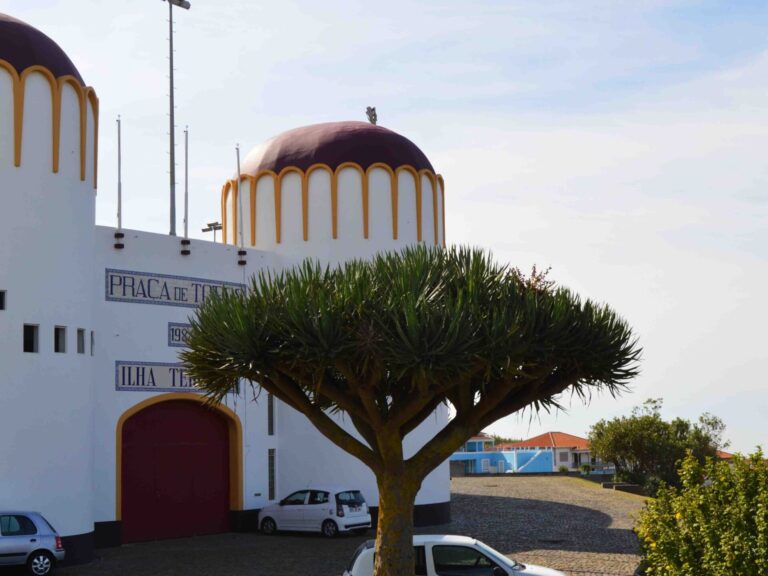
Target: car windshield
{"type": "Point", "coordinates": [498, 556]}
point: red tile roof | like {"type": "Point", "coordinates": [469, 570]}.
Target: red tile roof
{"type": "Point", "coordinates": [724, 455]}
{"type": "Point", "coordinates": [549, 440]}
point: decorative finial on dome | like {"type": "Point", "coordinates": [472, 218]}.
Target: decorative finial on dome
{"type": "Point", "coordinates": [371, 113]}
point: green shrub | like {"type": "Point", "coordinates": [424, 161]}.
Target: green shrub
{"type": "Point", "coordinates": [562, 468]}
{"type": "Point", "coordinates": [586, 468]}
{"type": "Point", "coordinates": [715, 523]}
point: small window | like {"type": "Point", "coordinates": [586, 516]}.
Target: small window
{"type": "Point", "coordinates": [31, 338]}
{"type": "Point", "coordinates": [2, 299]}
{"type": "Point", "coordinates": [60, 339]}
{"type": "Point", "coordinates": [270, 415]}
{"type": "Point", "coordinates": [297, 498]}
{"type": "Point", "coordinates": [93, 342]}
{"type": "Point", "coordinates": [350, 498]}
{"type": "Point", "coordinates": [451, 559]}
{"type": "Point", "coordinates": [80, 341]}
{"type": "Point", "coordinates": [563, 456]}
{"type": "Point", "coordinates": [16, 525]}
{"type": "Point", "coordinates": [318, 497]}
{"type": "Point", "coordinates": [271, 472]}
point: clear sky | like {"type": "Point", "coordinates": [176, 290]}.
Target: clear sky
{"type": "Point", "coordinates": [622, 143]}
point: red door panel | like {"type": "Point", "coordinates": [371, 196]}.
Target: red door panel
{"type": "Point", "coordinates": [175, 472]}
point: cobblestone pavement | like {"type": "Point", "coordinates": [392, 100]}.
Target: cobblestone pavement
{"type": "Point", "coordinates": [564, 523]}
{"type": "Point", "coordinates": [569, 524]}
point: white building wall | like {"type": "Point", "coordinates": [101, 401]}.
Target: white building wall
{"type": "Point", "coordinates": [440, 214]}
{"type": "Point", "coordinates": [380, 213]}
{"type": "Point", "coordinates": [406, 207]}
{"type": "Point", "coordinates": [265, 213]}
{"type": "Point", "coordinates": [320, 213]}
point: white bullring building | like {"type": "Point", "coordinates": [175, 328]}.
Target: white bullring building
{"type": "Point", "coordinates": [100, 430]}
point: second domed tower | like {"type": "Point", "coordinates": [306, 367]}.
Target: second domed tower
{"type": "Point", "coordinates": [335, 191]}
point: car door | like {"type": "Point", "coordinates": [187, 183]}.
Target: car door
{"type": "Point", "coordinates": [317, 509]}
{"type": "Point", "coordinates": [292, 511]}
{"type": "Point", "coordinates": [18, 535]}
{"type": "Point", "coordinates": [459, 560]}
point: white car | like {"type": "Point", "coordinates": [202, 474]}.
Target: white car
{"type": "Point", "coordinates": [326, 510]}
{"type": "Point", "coordinates": [443, 555]}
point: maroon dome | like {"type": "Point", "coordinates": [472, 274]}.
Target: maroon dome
{"type": "Point", "coordinates": [334, 143]}
{"type": "Point", "coordinates": [23, 46]}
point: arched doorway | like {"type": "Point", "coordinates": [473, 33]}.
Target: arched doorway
{"type": "Point", "coordinates": [175, 469]}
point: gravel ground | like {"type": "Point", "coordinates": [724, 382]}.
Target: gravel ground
{"type": "Point", "coordinates": [564, 523]}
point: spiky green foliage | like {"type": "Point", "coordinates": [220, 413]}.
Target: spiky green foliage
{"type": "Point", "coordinates": [387, 341]}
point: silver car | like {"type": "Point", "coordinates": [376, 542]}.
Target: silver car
{"type": "Point", "coordinates": [27, 538]}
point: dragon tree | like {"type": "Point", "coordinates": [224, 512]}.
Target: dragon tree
{"type": "Point", "coordinates": [387, 341]}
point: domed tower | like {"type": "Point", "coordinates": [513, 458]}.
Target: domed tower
{"type": "Point", "coordinates": [338, 191]}
{"type": "Point", "coordinates": [48, 143]}
{"type": "Point", "coordinates": [335, 191]}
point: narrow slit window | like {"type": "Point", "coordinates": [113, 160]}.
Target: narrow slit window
{"type": "Point", "coordinates": [270, 415]}
{"type": "Point", "coordinates": [80, 341]}
{"type": "Point", "coordinates": [93, 342]}
{"type": "Point", "coordinates": [2, 299]}
{"type": "Point", "coordinates": [31, 338]}
{"type": "Point", "coordinates": [60, 339]}
{"type": "Point", "coordinates": [271, 467]}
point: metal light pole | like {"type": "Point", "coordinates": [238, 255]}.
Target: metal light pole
{"type": "Point", "coordinates": [186, 5]}
{"type": "Point", "coordinates": [239, 198]}
{"type": "Point", "coordinates": [213, 227]}
{"type": "Point", "coordinates": [186, 182]}
{"type": "Point", "coordinates": [119, 178]}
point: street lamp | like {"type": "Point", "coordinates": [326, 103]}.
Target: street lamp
{"type": "Point", "coordinates": [213, 227]}
{"type": "Point", "coordinates": [186, 5]}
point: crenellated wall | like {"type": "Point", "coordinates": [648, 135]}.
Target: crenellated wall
{"type": "Point", "coordinates": [71, 113]}
{"type": "Point", "coordinates": [335, 214]}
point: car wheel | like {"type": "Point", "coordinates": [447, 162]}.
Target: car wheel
{"type": "Point", "coordinates": [330, 529]}
{"type": "Point", "coordinates": [41, 563]}
{"type": "Point", "coordinates": [268, 526]}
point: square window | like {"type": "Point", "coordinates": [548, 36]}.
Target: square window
{"type": "Point", "coordinates": [80, 341]}
{"type": "Point", "coordinates": [2, 299]}
{"type": "Point", "coordinates": [31, 338]}
{"type": "Point", "coordinates": [60, 339]}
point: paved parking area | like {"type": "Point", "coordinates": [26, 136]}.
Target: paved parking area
{"type": "Point", "coordinates": [565, 523]}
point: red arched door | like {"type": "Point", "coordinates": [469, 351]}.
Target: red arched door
{"type": "Point", "coordinates": [175, 472]}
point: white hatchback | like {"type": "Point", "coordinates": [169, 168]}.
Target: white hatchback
{"type": "Point", "coordinates": [326, 510]}
{"type": "Point", "coordinates": [444, 555]}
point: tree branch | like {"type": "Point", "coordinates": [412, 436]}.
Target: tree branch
{"type": "Point", "coordinates": [292, 393]}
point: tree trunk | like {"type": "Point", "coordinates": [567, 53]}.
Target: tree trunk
{"type": "Point", "coordinates": [394, 534]}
